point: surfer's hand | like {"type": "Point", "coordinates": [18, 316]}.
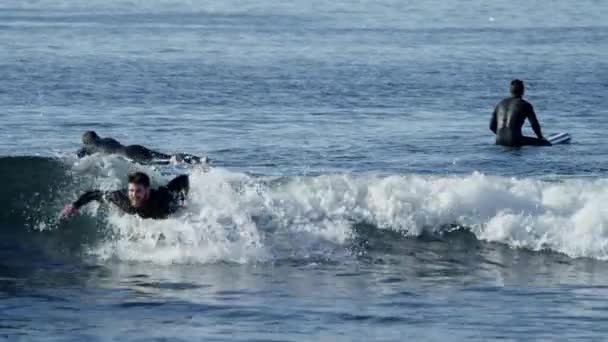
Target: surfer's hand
{"type": "Point", "coordinates": [68, 211]}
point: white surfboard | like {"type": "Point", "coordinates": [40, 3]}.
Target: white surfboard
{"type": "Point", "coordinates": [559, 138]}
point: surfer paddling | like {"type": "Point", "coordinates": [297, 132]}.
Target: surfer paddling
{"type": "Point", "coordinates": [93, 143]}
{"type": "Point", "coordinates": [138, 198]}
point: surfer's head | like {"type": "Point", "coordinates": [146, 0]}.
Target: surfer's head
{"type": "Point", "coordinates": [138, 190]}
{"type": "Point", "coordinates": [89, 138]}
{"type": "Point", "coordinates": [517, 88]}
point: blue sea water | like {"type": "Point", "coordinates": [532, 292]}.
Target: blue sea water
{"type": "Point", "coordinates": [354, 193]}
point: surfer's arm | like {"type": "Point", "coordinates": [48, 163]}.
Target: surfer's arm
{"type": "Point", "coordinates": [493, 122]}
{"type": "Point", "coordinates": [87, 197]}
{"type": "Point", "coordinates": [534, 122]}
{"type": "Point", "coordinates": [117, 197]}
{"type": "Point", "coordinates": [179, 184]}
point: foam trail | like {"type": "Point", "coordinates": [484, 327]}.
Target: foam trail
{"type": "Point", "coordinates": [237, 218]}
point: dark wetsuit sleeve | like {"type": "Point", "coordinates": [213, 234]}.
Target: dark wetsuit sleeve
{"type": "Point", "coordinates": [172, 196]}
{"type": "Point", "coordinates": [120, 199]}
{"type": "Point", "coordinates": [179, 184]}
{"type": "Point", "coordinates": [493, 120]}
{"type": "Point", "coordinates": [534, 122]}
{"type": "Point", "coordinates": [117, 197]}
{"type": "Point", "coordinates": [89, 196]}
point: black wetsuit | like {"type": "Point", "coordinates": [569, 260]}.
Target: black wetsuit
{"type": "Point", "coordinates": [137, 153]}
{"type": "Point", "coordinates": [161, 203]}
{"type": "Point", "coordinates": [508, 118]}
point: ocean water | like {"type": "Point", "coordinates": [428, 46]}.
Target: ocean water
{"type": "Point", "coordinates": [354, 191]}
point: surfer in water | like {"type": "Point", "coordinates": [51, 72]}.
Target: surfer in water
{"type": "Point", "coordinates": [93, 143]}
{"type": "Point", "coordinates": [138, 198]}
{"type": "Point", "coordinates": [509, 116]}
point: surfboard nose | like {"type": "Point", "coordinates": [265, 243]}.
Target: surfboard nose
{"type": "Point", "coordinates": [559, 138]}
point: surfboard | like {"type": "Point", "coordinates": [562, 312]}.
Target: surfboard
{"type": "Point", "coordinates": [172, 161]}
{"type": "Point", "coordinates": [559, 138]}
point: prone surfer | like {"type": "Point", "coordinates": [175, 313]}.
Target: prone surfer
{"type": "Point", "coordinates": [93, 143]}
{"type": "Point", "coordinates": [138, 198]}
{"type": "Point", "coordinates": [509, 116]}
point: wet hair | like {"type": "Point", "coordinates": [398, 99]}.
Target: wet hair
{"type": "Point", "coordinates": [139, 178]}
{"type": "Point", "coordinates": [89, 137]}
{"type": "Point", "coordinates": [517, 87]}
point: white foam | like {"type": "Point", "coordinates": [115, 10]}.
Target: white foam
{"type": "Point", "coordinates": [237, 218]}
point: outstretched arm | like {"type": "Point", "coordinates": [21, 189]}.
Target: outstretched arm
{"type": "Point", "coordinates": [534, 122]}
{"type": "Point", "coordinates": [89, 196]}
{"type": "Point", "coordinates": [116, 197]}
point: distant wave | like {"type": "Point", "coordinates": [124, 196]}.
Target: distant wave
{"type": "Point", "coordinates": [234, 217]}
